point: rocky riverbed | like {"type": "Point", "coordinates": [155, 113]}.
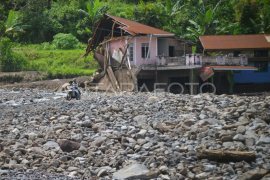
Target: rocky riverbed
{"type": "Point", "coordinates": [133, 136]}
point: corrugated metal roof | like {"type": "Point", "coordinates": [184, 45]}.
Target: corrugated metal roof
{"type": "Point", "coordinates": [137, 28]}
{"type": "Point", "coordinates": [233, 42]}
{"type": "Point", "coordinates": [234, 68]}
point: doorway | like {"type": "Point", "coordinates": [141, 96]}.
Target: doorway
{"type": "Point", "coordinates": [171, 51]}
{"type": "Point", "coordinates": [176, 88]}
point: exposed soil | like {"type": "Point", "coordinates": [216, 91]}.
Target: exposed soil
{"type": "Point", "coordinates": [31, 79]}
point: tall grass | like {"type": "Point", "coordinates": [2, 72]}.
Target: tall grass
{"type": "Point", "coordinates": [57, 63]}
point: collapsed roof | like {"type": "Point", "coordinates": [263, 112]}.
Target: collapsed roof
{"type": "Point", "coordinates": [111, 28]}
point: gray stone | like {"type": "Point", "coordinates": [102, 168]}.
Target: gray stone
{"type": "Point", "coordinates": [228, 144]}
{"type": "Point", "coordinates": [152, 99]}
{"type": "Point", "coordinates": [51, 144]}
{"type": "Point", "coordinates": [140, 119]}
{"type": "Point", "coordinates": [80, 115]}
{"type": "Point", "coordinates": [241, 129]}
{"type": "Point", "coordinates": [249, 142]}
{"type": "Point", "coordinates": [239, 137]}
{"type": "Point", "coordinates": [263, 140]}
{"type": "Point", "coordinates": [102, 172]}
{"type": "Point", "coordinates": [55, 163]}
{"type": "Point", "coordinates": [133, 171]}
{"type": "Point", "coordinates": [98, 141]}
{"type": "Point", "coordinates": [163, 169]}
{"type": "Point", "coordinates": [254, 175]}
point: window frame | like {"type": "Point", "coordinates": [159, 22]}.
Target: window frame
{"type": "Point", "coordinates": [260, 70]}
{"type": "Point", "coordinates": [236, 52]}
{"type": "Point", "coordinates": [264, 53]}
{"type": "Point", "coordinates": [144, 50]}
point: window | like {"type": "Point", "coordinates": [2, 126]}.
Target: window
{"type": "Point", "coordinates": [261, 65]}
{"type": "Point", "coordinates": [236, 53]}
{"type": "Point", "coordinates": [261, 53]}
{"type": "Point", "coordinates": [131, 51]}
{"type": "Point", "coordinates": [145, 47]}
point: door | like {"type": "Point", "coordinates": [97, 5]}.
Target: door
{"type": "Point", "coordinates": [171, 51]}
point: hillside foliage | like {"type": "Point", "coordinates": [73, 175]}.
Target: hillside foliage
{"type": "Point", "coordinates": [185, 18]}
{"type": "Point", "coordinates": [58, 26]}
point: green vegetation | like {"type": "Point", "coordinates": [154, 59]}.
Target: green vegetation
{"type": "Point", "coordinates": [9, 60]}
{"type": "Point", "coordinates": [65, 41]}
{"type": "Point", "coordinates": [67, 24]}
{"type": "Point", "coordinates": [57, 63]}
{"type": "Point", "coordinates": [12, 26]}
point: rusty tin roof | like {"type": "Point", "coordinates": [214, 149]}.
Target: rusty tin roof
{"type": "Point", "coordinates": [234, 42]}
{"type": "Point", "coordinates": [135, 28]}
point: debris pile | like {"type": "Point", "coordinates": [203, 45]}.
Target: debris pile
{"type": "Point", "coordinates": [135, 136]}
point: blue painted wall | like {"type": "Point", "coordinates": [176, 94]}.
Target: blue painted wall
{"type": "Point", "coordinates": [252, 77]}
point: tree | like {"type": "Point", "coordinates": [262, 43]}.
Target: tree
{"type": "Point", "coordinates": [204, 20]}
{"type": "Point", "coordinates": [246, 10]}
{"type": "Point", "coordinates": [264, 20]}
{"type": "Point", "coordinates": [94, 12]}
{"type": "Point", "coordinates": [12, 26]}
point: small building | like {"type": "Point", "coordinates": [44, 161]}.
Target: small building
{"type": "Point", "coordinates": [255, 47]}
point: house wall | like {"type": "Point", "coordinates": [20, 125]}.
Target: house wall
{"type": "Point", "coordinates": [248, 76]}
{"type": "Point", "coordinates": [179, 48]}
{"type": "Point", "coordinates": [153, 50]}
{"type": "Point", "coordinates": [115, 45]}
{"type": "Point", "coordinates": [252, 76]}
{"type": "Point", "coordinates": [137, 43]}
{"type": "Point", "coordinates": [163, 46]}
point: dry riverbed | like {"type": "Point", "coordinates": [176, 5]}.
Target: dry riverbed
{"type": "Point", "coordinates": [133, 136]}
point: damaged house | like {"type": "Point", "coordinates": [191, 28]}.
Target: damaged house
{"type": "Point", "coordinates": [133, 56]}
{"type": "Point", "coordinates": [138, 54]}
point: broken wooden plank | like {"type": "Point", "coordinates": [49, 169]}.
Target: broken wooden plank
{"type": "Point", "coordinates": [223, 155]}
{"type": "Point", "coordinates": [90, 44]}
{"type": "Point", "coordinates": [113, 39]}
{"type": "Point", "coordinates": [99, 76]}
{"type": "Point", "coordinates": [105, 62]}
{"type": "Point", "coordinates": [124, 56]}
{"type": "Point", "coordinates": [235, 125]}
{"type": "Point", "coordinates": [132, 76]}
{"type": "Point", "coordinates": [112, 78]}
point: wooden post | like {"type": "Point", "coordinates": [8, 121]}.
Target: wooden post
{"type": "Point", "coordinates": [149, 47]}
{"type": "Point", "coordinates": [128, 55]}
{"type": "Point", "coordinates": [112, 78]}
{"type": "Point", "coordinates": [230, 79]}
{"type": "Point", "coordinates": [105, 62]}
{"type": "Point", "coordinates": [134, 79]}
{"type": "Point", "coordinates": [113, 29]}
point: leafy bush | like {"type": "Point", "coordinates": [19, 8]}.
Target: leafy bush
{"type": "Point", "coordinates": [65, 41]}
{"type": "Point", "coordinates": [9, 60]}
{"type": "Point", "coordinates": [45, 46]}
